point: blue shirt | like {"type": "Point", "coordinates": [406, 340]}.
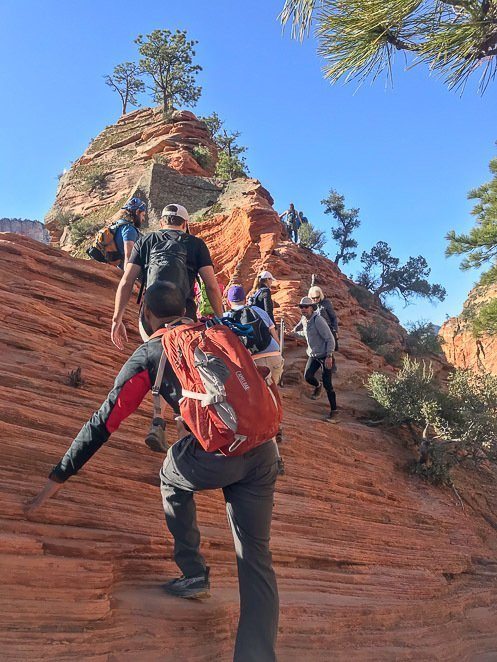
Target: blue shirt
{"type": "Point", "coordinates": [125, 232]}
{"type": "Point", "coordinates": [273, 345]}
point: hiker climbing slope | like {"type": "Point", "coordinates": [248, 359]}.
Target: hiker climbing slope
{"type": "Point", "coordinates": [324, 307]}
{"type": "Point", "coordinates": [292, 221]}
{"type": "Point", "coordinates": [320, 347]}
{"type": "Point", "coordinates": [169, 254]}
{"type": "Point", "coordinates": [247, 477]}
{"type": "Point", "coordinates": [114, 243]}
{"type": "Point", "coordinates": [262, 296]}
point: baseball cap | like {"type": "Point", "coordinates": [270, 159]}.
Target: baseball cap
{"type": "Point", "coordinates": [236, 293]}
{"type": "Point", "coordinates": [135, 204]}
{"type": "Point", "coordinates": [306, 301]}
{"type": "Point", "coordinates": [176, 210]}
{"type": "Point", "coordinates": [267, 275]}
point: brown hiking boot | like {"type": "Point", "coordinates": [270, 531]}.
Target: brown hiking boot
{"type": "Point", "coordinates": [317, 391]}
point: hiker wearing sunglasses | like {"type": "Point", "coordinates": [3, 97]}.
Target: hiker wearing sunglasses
{"type": "Point", "coordinates": [320, 348]}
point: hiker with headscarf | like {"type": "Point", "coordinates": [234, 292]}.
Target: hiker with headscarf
{"type": "Point", "coordinates": [320, 347]}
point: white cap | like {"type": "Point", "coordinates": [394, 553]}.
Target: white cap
{"type": "Point", "coordinates": [267, 275]}
{"type": "Point", "coordinates": [176, 210]}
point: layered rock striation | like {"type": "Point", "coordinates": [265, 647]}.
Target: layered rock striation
{"type": "Point", "coordinates": [462, 347]}
{"type": "Point", "coordinates": [372, 564]}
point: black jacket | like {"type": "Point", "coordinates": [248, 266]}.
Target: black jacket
{"type": "Point", "coordinates": [133, 382]}
{"type": "Point", "coordinates": [262, 299]}
{"type": "Point", "coordinates": [326, 310]}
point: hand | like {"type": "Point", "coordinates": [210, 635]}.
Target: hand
{"type": "Point", "coordinates": [118, 334]}
{"type": "Point", "coordinates": [328, 363]}
{"type": "Point", "coordinates": [51, 488]}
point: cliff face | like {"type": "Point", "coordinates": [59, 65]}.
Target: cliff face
{"type": "Point", "coordinates": [33, 229]}
{"type": "Point", "coordinates": [372, 563]}
{"type": "Point", "coordinates": [460, 345]}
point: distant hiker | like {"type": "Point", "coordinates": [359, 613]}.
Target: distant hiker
{"type": "Point", "coordinates": [262, 296]}
{"type": "Point", "coordinates": [326, 310]}
{"type": "Point", "coordinates": [170, 254]}
{"type": "Point", "coordinates": [320, 347]}
{"type": "Point", "coordinates": [303, 219]}
{"type": "Point", "coordinates": [114, 243]}
{"type": "Point", "coordinates": [264, 343]}
{"type": "Point", "coordinates": [292, 221]}
{"type": "Point", "coordinates": [246, 417]}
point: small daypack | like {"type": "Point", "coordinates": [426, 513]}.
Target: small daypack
{"type": "Point", "coordinates": [260, 337]}
{"type": "Point", "coordinates": [167, 261]}
{"type": "Point", "coordinates": [104, 247]}
{"type": "Point", "coordinates": [228, 403]}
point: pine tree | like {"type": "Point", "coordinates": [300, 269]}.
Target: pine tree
{"type": "Point", "coordinates": [359, 39]}
{"type": "Point", "coordinates": [347, 221]}
{"type": "Point", "coordinates": [480, 245]}
{"type": "Point", "coordinates": [383, 274]}
{"type": "Point", "coordinates": [126, 81]}
{"type": "Point", "coordinates": [231, 162]}
{"type": "Point", "coordinates": [167, 58]}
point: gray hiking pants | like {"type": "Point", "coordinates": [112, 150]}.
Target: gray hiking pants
{"type": "Point", "coordinates": [248, 484]}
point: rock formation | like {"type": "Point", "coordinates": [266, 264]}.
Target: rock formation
{"type": "Point", "coordinates": [373, 564]}
{"type": "Point", "coordinates": [34, 229]}
{"type": "Point", "coordinates": [461, 346]}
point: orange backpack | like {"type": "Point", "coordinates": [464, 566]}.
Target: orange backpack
{"type": "Point", "coordinates": [228, 403]}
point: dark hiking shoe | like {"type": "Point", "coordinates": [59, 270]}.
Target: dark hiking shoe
{"type": "Point", "coordinates": [317, 391]}
{"type": "Point", "coordinates": [281, 467]}
{"type": "Point", "coordinates": [190, 587]}
{"type": "Point", "coordinates": [331, 417]}
{"type": "Point", "coordinates": [279, 436]}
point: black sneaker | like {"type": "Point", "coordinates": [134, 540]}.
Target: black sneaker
{"type": "Point", "coordinates": [190, 587]}
{"type": "Point", "coordinates": [281, 467]}
{"type": "Point", "coordinates": [317, 391]}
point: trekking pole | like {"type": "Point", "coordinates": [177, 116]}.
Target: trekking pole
{"type": "Point", "coordinates": [282, 342]}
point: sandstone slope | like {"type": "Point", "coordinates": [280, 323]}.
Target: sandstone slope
{"type": "Point", "coordinates": [460, 345]}
{"type": "Point", "coordinates": [372, 564]}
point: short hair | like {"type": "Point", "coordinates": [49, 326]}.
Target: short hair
{"type": "Point", "coordinates": [164, 299]}
{"type": "Point", "coordinates": [316, 291]}
{"type": "Point", "coordinates": [175, 220]}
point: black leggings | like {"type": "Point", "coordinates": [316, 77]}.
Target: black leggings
{"type": "Point", "coordinates": [312, 366]}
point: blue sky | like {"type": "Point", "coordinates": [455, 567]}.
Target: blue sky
{"type": "Point", "coordinates": [405, 155]}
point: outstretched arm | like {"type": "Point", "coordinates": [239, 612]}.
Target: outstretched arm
{"type": "Point", "coordinates": [118, 331]}
{"type": "Point", "coordinates": [130, 387]}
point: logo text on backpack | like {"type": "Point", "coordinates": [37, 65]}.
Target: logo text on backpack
{"type": "Point", "coordinates": [242, 380]}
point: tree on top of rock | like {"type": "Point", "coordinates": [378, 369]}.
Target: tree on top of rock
{"type": "Point", "coordinates": [383, 274]}
{"type": "Point", "coordinates": [347, 221]}
{"type": "Point", "coordinates": [480, 245]}
{"type": "Point", "coordinates": [167, 58]}
{"type": "Point", "coordinates": [126, 81]}
{"type": "Point", "coordinates": [231, 162]}
{"type": "Point", "coordinates": [359, 39]}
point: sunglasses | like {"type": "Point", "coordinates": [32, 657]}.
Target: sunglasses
{"type": "Point", "coordinates": [302, 307]}
{"type": "Point", "coordinates": [316, 298]}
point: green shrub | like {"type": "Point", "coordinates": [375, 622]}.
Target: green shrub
{"type": "Point", "coordinates": [374, 335]}
{"type": "Point", "coordinates": [97, 181]}
{"type": "Point", "coordinates": [452, 426]}
{"type": "Point", "coordinates": [83, 230]}
{"type": "Point", "coordinates": [202, 156]}
{"type": "Point", "coordinates": [311, 238]}
{"type": "Point", "coordinates": [485, 320]}
{"type": "Point", "coordinates": [422, 339]}
{"type": "Point", "coordinates": [230, 167]}
{"type": "Point", "coordinates": [362, 295]}
{"type": "Point", "coordinates": [63, 219]}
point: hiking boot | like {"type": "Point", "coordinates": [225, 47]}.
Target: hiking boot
{"type": "Point", "coordinates": [279, 436]}
{"type": "Point", "coordinates": [317, 391]}
{"type": "Point", "coordinates": [331, 417]}
{"type": "Point", "coordinates": [190, 587]}
{"type": "Point", "coordinates": [281, 467]}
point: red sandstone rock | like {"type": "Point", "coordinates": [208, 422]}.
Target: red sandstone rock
{"type": "Point", "coordinates": [461, 348]}
{"type": "Point", "coordinates": [372, 564]}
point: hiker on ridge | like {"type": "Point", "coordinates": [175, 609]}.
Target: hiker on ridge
{"type": "Point", "coordinates": [114, 243]}
{"type": "Point", "coordinates": [172, 254]}
{"type": "Point", "coordinates": [247, 480]}
{"type": "Point", "coordinates": [262, 296]}
{"type": "Point", "coordinates": [320, 347]}
{"type": "Point", "coordinates": [292, 222]}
